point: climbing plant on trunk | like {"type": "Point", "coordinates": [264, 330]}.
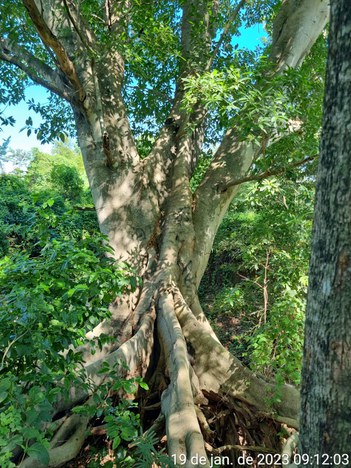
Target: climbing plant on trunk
{"type": "Point", "coordinates": [103, 59]}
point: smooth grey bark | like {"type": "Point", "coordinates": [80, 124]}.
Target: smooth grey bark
{"type": "Point", "coordinates": [326, 378]}
{"type": "Point", "coordinates": [295, 27]}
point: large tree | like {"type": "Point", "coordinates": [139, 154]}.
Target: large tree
{"type": "Point", "coordinates": [104, 58]}
{"type": "Point", "coordinates": [326, 403]}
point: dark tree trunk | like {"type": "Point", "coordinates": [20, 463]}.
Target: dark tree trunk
{"type": "Point", "coordinates": [153, 221]}
{"type": "Point", "coordinates": [326, 397]}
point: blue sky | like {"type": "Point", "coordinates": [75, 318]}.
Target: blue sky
{"type": "Point", "coordinates": [20, 140]}
{"type": "Point", "coordinates": [250, 38]}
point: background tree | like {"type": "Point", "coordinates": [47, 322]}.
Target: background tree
{"type": "Point", "coordinates": [3, 152]}
{"type": "Point", "coordinates": [102, 59]}
{"type": "Point", "coordinates": [326, 403]}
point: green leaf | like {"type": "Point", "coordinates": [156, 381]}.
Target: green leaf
{"type": "Point", "coordinates": [70, 292]}
{"type": "Point", "coordinates": [50, 202]}
{"type": "Point", "coordinates": [39, 451]}
{"type": "Point", "coordinates": [56, 323]}
{"type": "Point", "coordinates": [116, 442]}
{"type": "Point", "coordinates": [3, 396]}
{"type": "Point", "coordinates": [5, 384]}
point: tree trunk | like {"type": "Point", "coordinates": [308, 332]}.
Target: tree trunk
{"type": "Point", "coordinates": [326, 402]}
{"type": "Point", "coordinates": [166, 233]}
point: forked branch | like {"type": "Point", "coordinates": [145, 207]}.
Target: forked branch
{"type": "Point", "coordinates": [233, 158]}
{"type": "Point", "coordinates": [51, 41]}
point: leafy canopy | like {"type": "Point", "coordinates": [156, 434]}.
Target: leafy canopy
{"type": "Point", "coordinates": [149, 39]}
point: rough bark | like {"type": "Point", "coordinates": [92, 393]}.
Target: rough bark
{"type": "Point", "coordinates": [326, 403]}
{"type": "Point", "coordinates": [155, 223]}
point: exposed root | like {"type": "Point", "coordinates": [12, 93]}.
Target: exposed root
{"type": "Point", "coordinates": [237, 427]}
{"type": "Point", "coordinates": [183, 432]}
{"type": "Point", "coordinates": [134, 353]}
{"type": "Point", "coordinates": [289, 447]}
{"type": "Point", "coordinates": [288, 421]}
{"type": "Point", "coordinates": [65, 445]}
{"type": "Point", "coordinates": [124, 320]}
{"type": "Point", "coordinates": [204, 398]}
{"type": "Point", "coordinates": [201, 317]}
{"type": "Point", "coordinates": [205, 427]}
{"type": "Point", "coordinates": [291, 444]}
{"type": "Point", "coordinates": [221, 373]}
{"type": "Point", "coordinates": [158, 426]}
{"type": "Point", "coordinates": [240, 448]}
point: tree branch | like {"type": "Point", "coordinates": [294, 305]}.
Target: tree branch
{"type": "Point", "coordinates": [289, 49]}
{"type": "Point", "coordinates": [107, 12]}
{"type": "Point", "coordinates": [79, 26]}
{"type": "Point", "coordinates": [36, 69]}
{"type": "Point", "coordinates": [50, 40]}
{"type": "Point", "coordinates": [116, 21]}
{"type": "Point", "coordinates": [295, 30]}
{"type": "Point", "coordinates": [269, 173]}
{"type": "Point", "coordinates": [225, 31]}
{"type": "Point", "coordinates": [196, 36]}
{"type": "Point", "coordinates": [233, 157]}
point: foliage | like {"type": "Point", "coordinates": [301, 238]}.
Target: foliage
{"type": "Point", "coordinates": [149, 39]}
{"type": "Point", "coordinates": [245, 96]}
{"type": "Point", "coordinates": [122, 421]}
{"type": "Point", "coordinates": [258, 274]}
{"type": "Point", "coordinates": [43, 174]}
{"type": "Point", "coordinates": [56, 283]}
{"type": "Point", "coordinates": [14, 191]}
{"type": "Point", "coordinates": [146, 455]}
{"type": "Point", "coordinates": [226, 93]}
{"type": "Point", "coordinates": [60, 125]}
{"type": "Point", "coordinates": [67, 180]}
{"type": "Point", "coordinates": [202, 166]}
